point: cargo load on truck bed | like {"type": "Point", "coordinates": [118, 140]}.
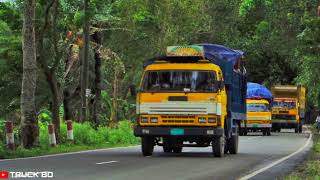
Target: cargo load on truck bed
{"type": "Point", "coordinates": [255, 90]}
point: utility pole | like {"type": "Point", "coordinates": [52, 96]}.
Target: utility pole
{"type": "Point", "coordinates": [85, 64]}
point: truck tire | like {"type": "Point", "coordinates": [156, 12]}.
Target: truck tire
{"type": "Point", "coordinates": [167, 146]}
{"type": "Point", "coordinates": [177, 149]}
{"type": "Point", "coordinates": [269, 132]}
{"type": "Point", "coordinates": [233, 144]}
{"type": "Point", "coordinates": [300, 127]}
{"type": "Point", "coordinates": [167, 149]}
{"type": "Point", "coordinates": [264, 132]}
{"type": "Point", "coordinates": [245, 132]}
{"type": "Point", "coordinates": [296, 128]}
{"type": "Point", "coordinates": [147, 145]}
{"type": "Point", "coordinates": [218, 144]}
{"type": "Point", "coordinates": [241, 131]}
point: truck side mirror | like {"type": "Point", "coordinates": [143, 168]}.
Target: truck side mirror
{"type": "Point", "coordinates": [133, 90]}
{"type": "Point", "coordinates": [221, 85]}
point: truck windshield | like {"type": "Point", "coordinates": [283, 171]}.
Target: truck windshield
{"type": "Point", "coordinates": [253, 107]}
{"type": "Point", "coordinates": [179, 81]}
{"type": "Point", "coordinates": [279, 103]}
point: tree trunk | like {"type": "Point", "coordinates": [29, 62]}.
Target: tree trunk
{"type": "Point", "coordinates": [50, 73]}
{"type": "Point", "coordinates": [53, 83]}
{"type": "Point", "coordinates": [66, 105]}
{"type": "Point", "coordinates": [29, 122]}
{"type": "Point", "coordinates": [114, 112]}
{"type": "Point", "coordinates": [97, 100]}
{"type": "Point", "coordinates": [85, 65]}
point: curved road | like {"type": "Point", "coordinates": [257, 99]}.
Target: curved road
{"type": "Point", "coordinates": [255, 152]}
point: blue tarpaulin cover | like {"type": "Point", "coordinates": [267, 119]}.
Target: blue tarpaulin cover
{"type": "Point", "coordinates": [212, 52]}
{"type": "Point", "coordinates": [258, 90]}
{"type": "Point", "coordinates": [216, 51]}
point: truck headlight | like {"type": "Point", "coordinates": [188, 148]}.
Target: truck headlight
{"type": "Point", "coordinates": [144, 119]}
{"type": "Point", "coordinates": [154, 119]}
{"type": "Point", "coordinates": [202, 120]}
{"type": "Point", "coordinates": [211, 120]}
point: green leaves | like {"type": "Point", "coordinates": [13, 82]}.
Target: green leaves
{"type": "Point", "coordinates": [245, 7]}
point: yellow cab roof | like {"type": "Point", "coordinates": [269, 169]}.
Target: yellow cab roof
{"type": "Point", "coordinates": [183, 66]}
{"type": "Point", "coordinates": [257, 101]}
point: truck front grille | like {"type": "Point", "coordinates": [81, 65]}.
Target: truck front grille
{"type": "Point", "coordinates": [178, 121]}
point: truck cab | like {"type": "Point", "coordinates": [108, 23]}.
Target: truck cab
{"type": "Point", "coordinates": [182, 102]}
{"type": "Point", "coordinates": [259, 116]}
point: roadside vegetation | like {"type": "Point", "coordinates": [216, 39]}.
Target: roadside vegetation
{"type": "Point", "coordinates": [310, 169]}
{"type": "Point", "coordinates": [86, 138]}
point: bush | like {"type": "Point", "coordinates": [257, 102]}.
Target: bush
{"type": "Point", "coordinates": [123, 134]}
{"type": "Point", "coordinates": [2, 131]}
{"type": "Point", "coordinates": [43, 133]}
{"type": "Point", "coordinates": [86, 134]}
{"type": "Point", "coordinates": [86, 137]}
{"type": "Point", "coordinates": [2, 151]}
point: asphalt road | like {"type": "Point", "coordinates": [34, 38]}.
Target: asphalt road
{"type": "Point", "coordinates": [255, 152]}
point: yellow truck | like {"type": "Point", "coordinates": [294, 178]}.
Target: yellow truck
{"type": "Point", "coordinates": [288, 108]}
{"type": "Point", "coordinates": [194, 96]}
{"type": "Point", "coordinates": [259, 116]}
{"type": "Point", "coordinates": [259, 100]}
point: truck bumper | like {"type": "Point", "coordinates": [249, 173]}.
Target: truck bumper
{"type": "Point", "coordinates": [261, 126]}
{"type": "Point", "coordinates": [177, 131]}
{"type": "Point", "coordinates": [284, 123]}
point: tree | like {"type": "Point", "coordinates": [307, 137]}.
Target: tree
{"type": "Point", "coordinates": [29, 122]}
{"type": "Point", "coordinates": [97, 40]}
{"type": "Point", "coordinates": [85, 64]}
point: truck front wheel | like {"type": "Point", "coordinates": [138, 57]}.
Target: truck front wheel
{"type": "Point", "coordinates": [147, 145]}
{"type": "Point", "coordinates": [218, 143]}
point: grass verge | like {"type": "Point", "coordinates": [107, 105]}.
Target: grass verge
{"type": "Point", "coordinates": [85, 136]}
{"type": "Point", "coordinates": [310, 169]}
{"type": "Point", "coordinates": [64, 148]}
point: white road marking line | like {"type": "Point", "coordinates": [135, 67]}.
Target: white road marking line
{"type": "Point", "coordinates": [277, 161]}
{"type": "Point", "coordinates": [69, 153]}
{"type": "Point", "coordinates": [187, 151]}
{"type": "Point", "coordinates": [253, 137]}
{"type": "Point", "coordinates": [108, 162]}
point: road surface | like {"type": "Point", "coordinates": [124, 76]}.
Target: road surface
{"type": "Point", "coordinates": [255, 152]}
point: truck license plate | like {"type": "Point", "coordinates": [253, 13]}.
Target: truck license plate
{"type": "Point", "coordinates": [177, 131]}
